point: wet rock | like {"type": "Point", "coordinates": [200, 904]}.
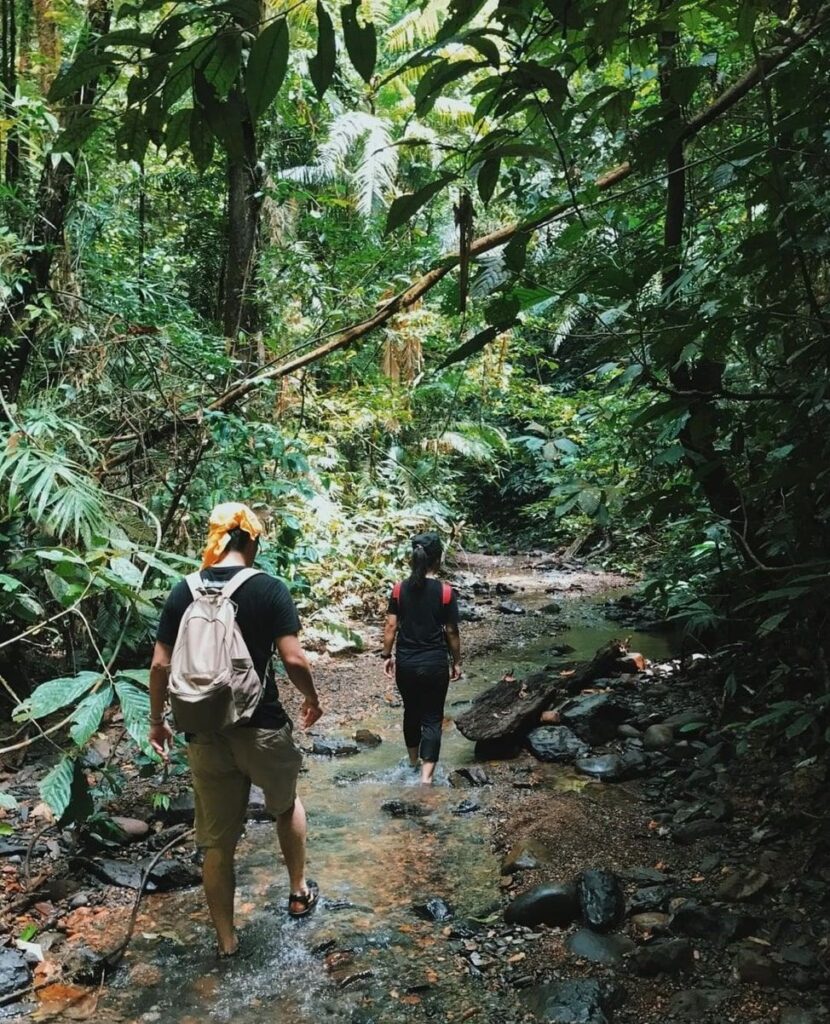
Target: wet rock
{"type": "Point", "coordinates": [628, 732]}
{"type": "Point", "coordinates": [80, 899]}
{"type": "Point", "coordinates": [433, 909]}
{"type": "Point", "coordinates": [467, 807]}
{"type": "Point", "coordinates": [257, 811]}
{"type": "Point", "coordinates": [469, 778]}
{"type": "Point", "coordinates": [367, 738]}
{"type": "Point", "coordinates": [653, 921]}
{"type": "Point", "coordinates": [655, 897]}
{"type": "Point", "coordinates": [717, 924]}
{"type": "Point", "coordinates": [556, 743]}
{"type": "Point", "coordinates": [404, 809]}
{"type": "Point", "coordinates": [800, 955]}
{"type": "Point", "coordinates": [524, 856]}
{"type": "Point", "coordinates": [552, 904]}
{"type": "Point", "coordinates": [468, 612]}
{"type": "Point", "coordinates": [123, 873]}
{"type": "Point", "coordinates": [797, 1015]}
{"type": "Point", "coordinates": [173, 873]}
{"type": "Point", "coordinates": [697, 1003]}
{"type": "Point", "coordinates": [594, 718]}
{"type": "Point", "coordinates": [575, 1001]}
{"type": "Point", "coordinates": [599, 949]}
{"type": "Point", "coordinates": [511, 608]}
{"type": "Point", "coordinates": [658, 737]}
{"type": "Point", "coordinates": [333, 746]}
{"type": "Point", "coordinates": [743, 885]}
{"type": "Point", "coordinates": [683, 719]}
{"type": "Point", "coordinates": [695, 830]}
{"type": "Point", "coordinates": [600, 899]}
{"type": "Point", "coordinates": [551, 608]}
{"type": "Point", "coordinates": [82, 963]}
{"type": "Point", "coordinates": [666, 956]}
{"type": "Point", "coordinates": [755, 968]}
{"type": "Point", "coordinates": [182, 809]}
{"type": "Point", "coordinates": [133, 829]}
{"type": "Point", "coordinates": [603, 766]}
{"type": "Point", "coordinates": [14, 971]}
{"type": "Point", "coordinates": [504, 589]}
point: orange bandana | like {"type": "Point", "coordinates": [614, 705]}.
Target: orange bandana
{"type": "Point", "coordinates": [223, 519]}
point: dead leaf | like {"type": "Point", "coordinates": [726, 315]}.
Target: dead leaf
{"type": "Point", "coordinates": [70, 1002]}
{"type": "Point", "coordinates": [42, 811]}
{"type": "Point", "coordinates": [412, 1000]}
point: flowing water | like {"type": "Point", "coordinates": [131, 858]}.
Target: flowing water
{"type": "Point", "coordinates": [364, 956]}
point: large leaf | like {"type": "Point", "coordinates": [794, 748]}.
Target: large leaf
{"type": "Point", "coordinates": [222, 61]}
{"type": "Point", "coordinates": [55, 694]}
{"type": "Point", "coordinates": [406, 206]}
{"type": "Point", "coordinates": [472, 346]}
{"type": "Point", "coordinates": [88, 715]}
{"type": "Point", "coordinates": [66, 791]}
{"type": "Point", "coordinates": [488, 178]}
{"type": "Point", "coordinates": [361, 41]}
{"type": "Point", "coordinates": [437, 78]}
{"type": "Point", "coordinates": [87, 68]}
{"type": "Point", "coordinates": [178, 130]}
{"type": "Point", "coordinates": [321, 65]}
{"type": "Point", "coordinates": [202, 141]}
{"type": "Point", "coordinates": [135, 706]}
{"type": "Point", "coordinates": [266, 68]}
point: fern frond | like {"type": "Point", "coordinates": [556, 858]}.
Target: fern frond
{"type": "Point", "coordinates": [492, 275]}
{"type": "Point", "coordinates": [374, 176]}
{"type": "Point", "coordinates": [416, 27]}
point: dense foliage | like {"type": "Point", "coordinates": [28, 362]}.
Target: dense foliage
{"type": "Point", "coordinates": [546, 274]}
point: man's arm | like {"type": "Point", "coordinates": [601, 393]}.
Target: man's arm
{"type": "Point", "coordinates": [298, 670]}
{"type": "Point", "coordinates": [161, 737]}
{"type": "Point", "coordinates": [454, 644]}
{"type": "Point", "coordinates": [389, 632]}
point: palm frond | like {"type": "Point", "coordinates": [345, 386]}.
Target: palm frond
{"type": "Point", "coordinates": [415, 27]}
{"type": "Point", "coordinates": [492, 275]}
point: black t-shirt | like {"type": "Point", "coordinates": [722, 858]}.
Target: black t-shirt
{"type": "Point", "coordinates": [264, 611]}
{"type": "Point", "coordinates": [422, 616]}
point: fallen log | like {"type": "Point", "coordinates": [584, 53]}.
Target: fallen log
{"type": "Point", "coordinates": [605, 662]}
{"type": "Point", "coordinates": [509, 708]}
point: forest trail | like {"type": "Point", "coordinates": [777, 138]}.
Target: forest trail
{"type": "Point", "coordinates": [415, 882]}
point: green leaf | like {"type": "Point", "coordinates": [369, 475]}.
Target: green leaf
{"type": "Point", "coordinates": [54, 694]}
{"type": "Point", "coordinates": [224, 118]}
{"type": "Point", "coordinates": [361, 41]}
{"type": "Point", "coordinates": [471, 346]}
{"type": "Point", "coordinates": [180, 76]}
{"type": "Point", "coordinates": [440, 75]}
{"type": "Point", "coordinates": [6, 829]}
{"type": "Point", "coordinates": [87, 68]}
{"type": "Point", "coordinates": [76, 133]}
{"type": "Point", "coordinates": [772, 623]}
{"type": "Point", "coordinates": [178, 130]}
{"type": "Point", "coordinates": [222, 60]}
{"type": "Point", "coordinates": [202, 141]}
{"type": "Point", "coordinates": [266, 68]}
{"type": "Point", "coordinates": [125, 569]}
{"type": "Point", "coordinates": [88, 715]}
{"type": "Point", "coordinates": [135, 706]}
{"type": "Point", "coordinates": [488, 178]}
{"type": "Point", "coordinates": [56, 786]}
{"type": "Point", "coordinates": [131, 139]}
{"type": "Point", "coordinates": [7, 802]}
{"type": "Point", "coordinates": [321, 65]}
{"type": "Point", "coordinates": [502, 312]}
{"type": "Point", "coordinates": [406, 206]}
{"type": "Point", "coordinates": [684, 82]}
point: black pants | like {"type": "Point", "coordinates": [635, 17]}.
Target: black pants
{"type": "Point", "coordinates": [424, 692]}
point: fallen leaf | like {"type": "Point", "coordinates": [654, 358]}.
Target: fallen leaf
{"type": "Point", "coordinates": [412, 1000]}
{"type": "Point", "coordinates": [70, 1002]}
{"type": "Point", "coordinates": [42, 811]}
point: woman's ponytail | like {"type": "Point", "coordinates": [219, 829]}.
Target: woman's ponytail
{"type": "Point", "coordinates": [419, 564]}
{"type": "Point", "coordinates": [426, 556]}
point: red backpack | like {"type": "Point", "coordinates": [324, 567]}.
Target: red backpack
{"type": "Point", "coordinates": [446, 594]}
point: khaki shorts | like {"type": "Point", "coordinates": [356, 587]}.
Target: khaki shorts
{"type": "Point", "coordinates": [223, 766]}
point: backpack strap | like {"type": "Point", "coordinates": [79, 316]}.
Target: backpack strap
{"type": "Point", "coordinates": [396, 591]}
{"type": "Point", "coordinates": [446, 594]}
{"type": "Point", "coordinates": [197, 584]}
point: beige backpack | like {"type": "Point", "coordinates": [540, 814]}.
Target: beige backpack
{"type": "Point", "coordinates": [213, 683]}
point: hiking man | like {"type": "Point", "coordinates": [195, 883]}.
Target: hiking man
{"type": "Point", "coordinates": [258, 746]}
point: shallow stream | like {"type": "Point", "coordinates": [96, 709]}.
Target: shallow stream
{"type": "Point", "coordinates": [364, 956]}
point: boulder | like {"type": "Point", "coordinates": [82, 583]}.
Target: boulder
{"type": "Point", "coordinates": [717, 924]}
{"type": "Point", "coordinates": [14, 971]}
{"type": "Point", "coordinates": [665, 956]}
{"type": "Point", "coordinates": [404, 809]}
{"type": "Point", "coordinates": [683, 719]}
{"type": "Point", "coordinates": [628, 732]}
{"type": "Point", "coordinates": [600, 899]}
{"type": "Point", "coordinates": [469, 778]}
{"type": "Point", "coordinates": [753, 967]}
{"type": "Point", "coordinates": [550, 718]}
{"type": "Point", "coordinates": [511, 608]}
{"type": "Point", "coordinates": [334, 746]}
{"type": "Point", "coordinates": [367, 738]}
{"type": "Point", "coordinates": [524, 856]}
{"type": "Point", "coordinates": [797, 1015]}
{"type": "Point", "coordinates": [552, 904]}
{"type": "Point", "coordinates": [608, 767]}
{"type": "Point", "coordinates": [433, 909]}
{"type": "Point", "coordinates": [173, 873]}
{"type": "Point", "coordinates": [644, 875]}
{"type": "Point", "coordinates": [132, 829]}
{"type": "Point", "coordinates": [551, 608]}
{"type": "Point", "coordinates": [743, 885]}
{"type": "Point", "coordinates": [595, 717]}
{"type": "Point", "coordinates": [599, 949]}
{"type": "Point", "coordinates": [658, 737]}
{"type": "Point", "coordinates": [695, 830]}
{"type": "Point", "coordinates": [575, 1001]}
{"type": "Point", "coordinates": [697, 1003]}
{"type": "Point", "coordinates": [507, 709]}
{"type": "Point", "coordinates": [654, 897]}
{"type": "Point", "coordinates": [467, 807]}
{"type": "Point", "coordinates": [182, 809]}
{"type": "Point", "coordinates": [556, 743]}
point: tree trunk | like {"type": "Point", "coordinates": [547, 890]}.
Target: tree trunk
{"type": "Point", "coordinates": [48, 43]}
{"type": "Point", "coordinates": [51, 205]}
{"type": "Point", "coordinates": [239, 309]}
{"type": "Point", "coordinates": [9, 85]}
{"type": "Point", "coordinates": [700, 380]}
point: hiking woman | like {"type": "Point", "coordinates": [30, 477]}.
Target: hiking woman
{"type": "Point", "coordinates": [423, 616]}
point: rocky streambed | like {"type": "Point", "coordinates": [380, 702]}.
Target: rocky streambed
{"type": "Point", "coordinates": [602, 855]}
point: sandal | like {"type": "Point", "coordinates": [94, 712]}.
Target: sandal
{"type": "Point", "coordinates": [307, 900]}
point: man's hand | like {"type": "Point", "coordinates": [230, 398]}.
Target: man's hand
{"type": "Point", "coordinates": [389, 667]}
{"type": "Point", "coordinates": [309, 713]}
{"type": "Point", "coordinates": [456, 672]}
{"type": "Point", "coordinates": [161, 739]}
